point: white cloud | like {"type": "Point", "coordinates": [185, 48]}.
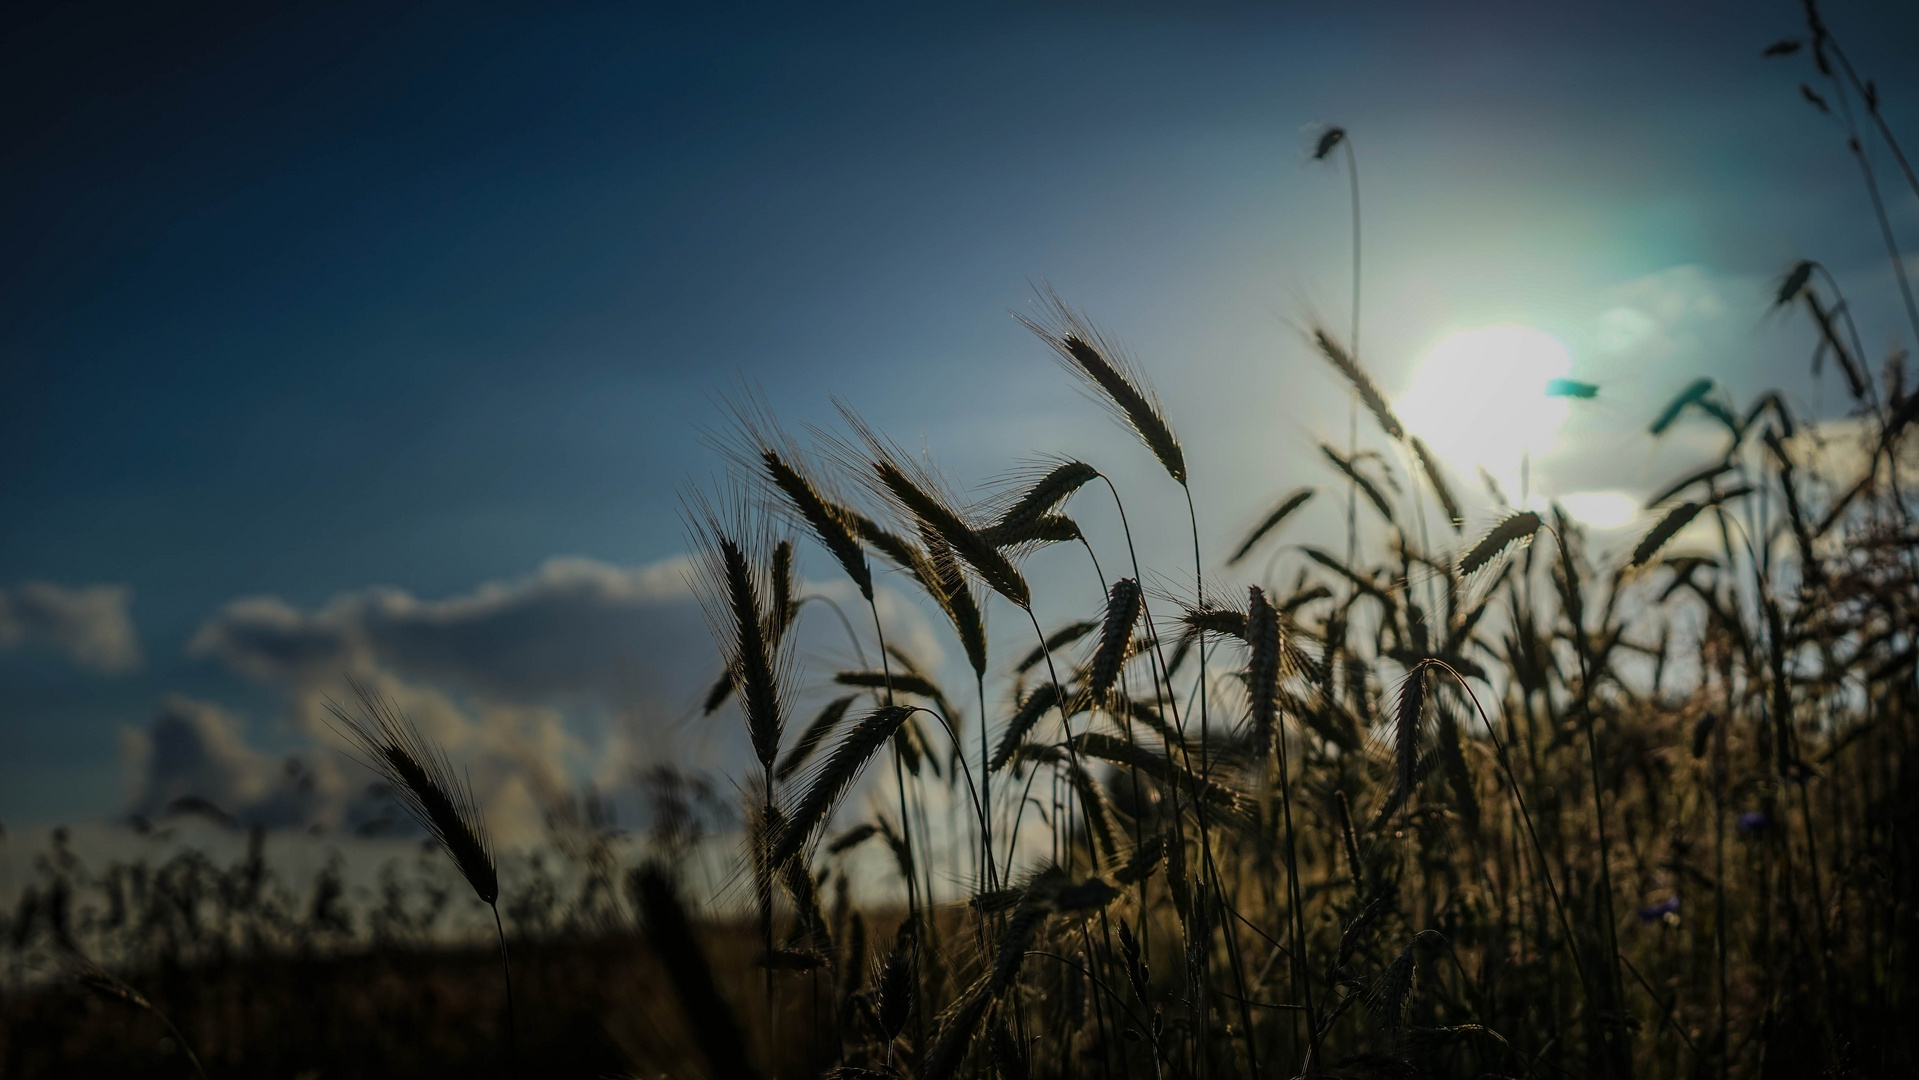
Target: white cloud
{"type": "Point", "coordinates": [581, 670]}
{"type": "Point", "coordinates": [1670, 314]}
{"type": "Point", "coordinates": [576, 633]}
{"type": "Point", "coordinates": [492, 675]}
{"type": "Point", "coordinates": [198, 749]}
{"type": "Point", "coordinates": [91, 624]}
{"type": "Point", "coordinates": [1641, 343]}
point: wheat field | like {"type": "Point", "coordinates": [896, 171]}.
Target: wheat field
{"type": "Point", "coordinates": [1418, 798]}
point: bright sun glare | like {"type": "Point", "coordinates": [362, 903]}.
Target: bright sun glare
{"type": "Point", "coordinates": [1479, 398]}
{"type": "Point", "coordinates": [1602, 509]}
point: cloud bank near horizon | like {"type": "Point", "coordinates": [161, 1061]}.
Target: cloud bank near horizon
{"type": "Point", "coordinates": [581, 673]}
{"type": "Point", "coordinates": [91, 625]}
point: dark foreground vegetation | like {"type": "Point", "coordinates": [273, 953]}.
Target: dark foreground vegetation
{"type": "Point", "coordinates": [1428, 800]}
{"type": "Point", "coordinates": [397, 1012]}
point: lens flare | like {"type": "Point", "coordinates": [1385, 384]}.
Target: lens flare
{"type": "Point", "coordinates": [1601, 509]}
{"type": "Point", "coordinates": [1480, 397]}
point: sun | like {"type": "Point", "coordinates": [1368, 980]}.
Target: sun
{"type": "Point", "coordinates": [1602, 509]}
{"type": "Point", "coordinates": [1479, 399]}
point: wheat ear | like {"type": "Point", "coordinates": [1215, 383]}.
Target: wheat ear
{"type": "Point", "coordinates": [1270, 522]}
{"type": "Point", "coordinates": [1043, 697]}
{"type": "Point", "coordinates": [1044, 529]}
{"type": "Point", "coordinates": [1430, 466]}
{"type": "Point", "coordinates": [1369, 393]}
{"type": "Point", "coordinates": [1045, 494]}
{"type": "Point", "coordinates": [1262, 668]}
{"type": "Point", "coordinates": [758, 446]}
{"type": "Point", "coordinates": [1350, 840]}
{"type": "Point", "coordinates": [1373, 495]}
{"type": "Point", "coordinates": [811, 737]}
{"type": "Point", "coordinates": [896, 986]}
{"type": "Point", "coordinates": [1107, 371]}
{"type": "Point", "coordinates": [835, 775]}
{"type": "Point", "coordinates": [1676, 519]}
{"type": "Point", "coordinates": [1406, 723]}
{"type": "Point", "coordinates": [1116, 632]}
{"type": "Point", "coordinates": [1514, 529]}
{"type": "Point", "coordinates": [423, 780]}
{"type": "Point", "coordinates": [730, 586]}
{"type": "Point", "coordinates": [1395, 987]}
{"type": "Point", "coordinates": [1058, 639]}
{"type": "Point", "coordinates": [919, 494]}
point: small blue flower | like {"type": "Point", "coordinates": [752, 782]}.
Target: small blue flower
{"type": "Point", "coordinates": [1657, 912]}
{"type": "Point", "coordinates": [1753, 821]}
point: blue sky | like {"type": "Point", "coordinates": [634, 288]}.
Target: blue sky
{"type": "Point", "coordinates": [306, 305]}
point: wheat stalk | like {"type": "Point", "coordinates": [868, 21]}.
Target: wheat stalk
{"type": "Point", "coordinates": [1107, 372]}
{"type": "Point", "coordinates": [1044, 494]}
{"type": "Point", "coordinates": [1262, 667]}
{"type": "Point", "coordinates": [1044, 697]}
{"type": "Point", "coordinates": [1116, 632]}
{"type": "Point", "coordinates": [1676, 519]}
{"type": "Point", "coordinates": [835, 775]}
{"type": "Point", "coordinates": [422, 778]}
{"type": "Point", "coordinates": [759, 447]}
{"type": "Point", "coordinates": [1055, 641]}
{"type": "Point", "coordinates": [1369, 393]}
{"type": "Point", "coordinates": [1373, 495]}
{"type": "Point", "coordinates": [730, 583]}
{"type": "Point", "coordinates": [1430, 466]}
{"type": "Point", "coordinates": [1514, 529]}
{"type": "Point", "coordinates": [1270, 522]}
{"type": "Point", "coordinates": [812, 735]}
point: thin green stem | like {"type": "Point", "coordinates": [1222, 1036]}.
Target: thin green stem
{"type": "Point", "coordinates": [1532, 834]}
{"type": "Point", "coordinates": [985, 798]}
{"type": "Point", "coordinates": [1066, 726]}
{"type": "Point", "coordinates": [1878, 207]}
{"type": "Point", "coordinates": [1583, 647]}
{"type": "Point", "coordinates": [899, 765]}
{"type": "Point", "coordinates": [506, 974]}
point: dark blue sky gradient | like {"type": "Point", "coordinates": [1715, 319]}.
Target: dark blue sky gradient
{"type": "Point", "coordinates": [298, 302]}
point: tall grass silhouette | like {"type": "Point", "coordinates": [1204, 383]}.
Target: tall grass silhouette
{"type": "Point", "coordinates": [1492, 800]}
{"type": "Point", "coordinates": [440, 800]}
